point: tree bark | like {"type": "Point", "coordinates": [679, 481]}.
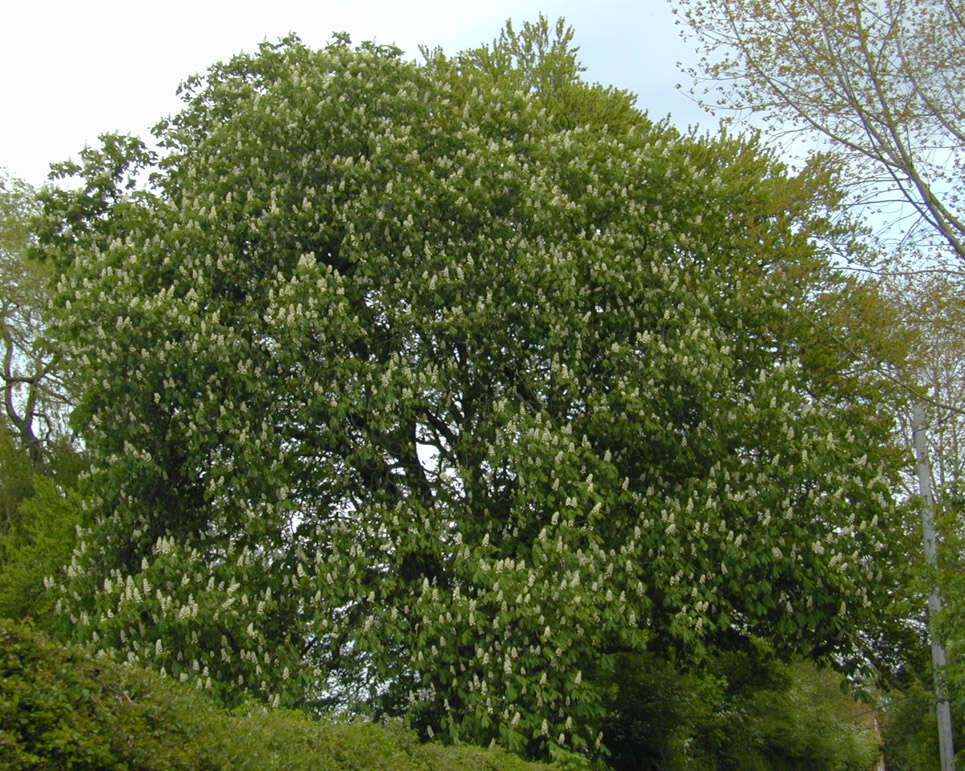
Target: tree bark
{"type": "Point", "coordinates": [946, 749]}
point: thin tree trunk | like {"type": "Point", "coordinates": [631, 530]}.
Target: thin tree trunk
{"type": "Point", "coordinates": [946, 749]}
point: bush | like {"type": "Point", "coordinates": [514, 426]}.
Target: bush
{"type": "Point", "coordinates": [41, 546]}
{"type": "Point", "coordinates": [64, 708]}
{"type": "Point", "coordinates": [743, 710]}
{"type": "Point", "coordinates": [910, 728]}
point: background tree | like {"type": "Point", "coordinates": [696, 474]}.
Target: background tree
{"type": "Point", "coordinates": [34, 394]}
{"type": "Point", "coordinates": [880, 80]}
{"type": "Point", "coordinates": [933, 306]}
{"type": "Point", "coordinates": [742, 709]}
{"type": "Point", "coordinates": [402, 379]}
{"type": "Point", "coordinates": [880, 83]}
{"type": "Point", "coordinates": [39, 461]}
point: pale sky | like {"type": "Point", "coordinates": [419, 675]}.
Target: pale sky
{"type": "Point", "coordinates": [75, 69]}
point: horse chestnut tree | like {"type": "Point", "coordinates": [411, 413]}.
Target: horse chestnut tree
{"type": "Point", "coordinates": [425, 388]}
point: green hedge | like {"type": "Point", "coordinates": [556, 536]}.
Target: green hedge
{"type": "Point", "coordinates": [62, 708]}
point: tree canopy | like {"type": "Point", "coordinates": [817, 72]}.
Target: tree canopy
{"type": "Point", "coordinates": [880, 79]}
{"type": "Point", "coordinates": [34, 404]}
{"type": "Point", "coordinates": [34, 396]}
{"type": "Point", "coordinates": [428, 389]}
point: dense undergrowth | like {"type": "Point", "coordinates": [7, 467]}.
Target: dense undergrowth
{"type": "Point", "coordinates": [63, 708]}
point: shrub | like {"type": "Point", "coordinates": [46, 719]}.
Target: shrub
{"type": "Point", "coordinates": [64, 708]}
{"type": "Point", "coordinates": [39, 547]}
{"type": "Point", "coordinates": [742, 710]}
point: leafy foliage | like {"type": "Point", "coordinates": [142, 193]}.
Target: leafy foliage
{"type": "Point", "coordinates": [63, 708]}
{"type": "Point", "coordinates": [878, 81]}
{"type": "Point", "coordinates": [411, 391]}
{"type": "Point", "coordinates": [37, 550]}
{"type": "Point", "coordinates": [742, 710]}
{"type": "Point", "coordinates": [34, 396]}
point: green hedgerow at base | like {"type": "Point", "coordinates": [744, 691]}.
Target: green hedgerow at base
{"type": "Point", "coordinates": [61, 707]}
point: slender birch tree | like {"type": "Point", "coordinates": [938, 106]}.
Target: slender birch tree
{"type": "Point", "coordinates": [880, 80]}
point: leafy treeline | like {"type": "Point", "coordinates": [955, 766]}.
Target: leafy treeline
{"type": "Point", "coordinates": [462, 392]}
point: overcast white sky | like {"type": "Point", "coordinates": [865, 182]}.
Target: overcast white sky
{"type": "Point", "coordinates": [74, 69]}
